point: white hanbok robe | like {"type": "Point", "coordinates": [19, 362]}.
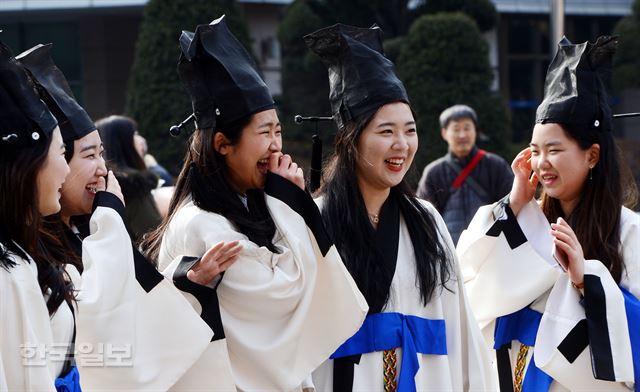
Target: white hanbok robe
{"type": "Point", "coordinates": [282, 313]}
{"type": "Point", "coordinates": [508, 266]}
{"type": "Point", "coordinates": [465, 367]}
{"type": "Point", "coordinates": [126, 319]}
{"type": "Point", "coordinates": [29, 360]}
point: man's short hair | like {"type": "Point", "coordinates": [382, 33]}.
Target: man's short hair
{"type": "Point", "coordinates": [458, 112]}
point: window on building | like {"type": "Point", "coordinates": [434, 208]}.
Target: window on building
{"type": "Point", "coordinates": [21, 36]}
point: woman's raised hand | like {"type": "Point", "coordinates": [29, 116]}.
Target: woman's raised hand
{"type": "Point", "coordinates": [524, 182]}
{"type": "Point", "coordinates": [569, 250]}
{"type": "Point", "coordinates": [283, 166]}
{"type": "Point", "coordinates": [215, 261]}
{"type": "Point", "coordinates": [113, 186]}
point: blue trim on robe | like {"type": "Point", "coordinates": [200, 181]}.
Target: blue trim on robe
{"type": "Point", "coordinates": [523, 326]}
{"type": "Point", "coordinates": [386, 331]}
{"type": "Point", "coordinates": [70, 382]}
{"type": "Point", "coordinates": [632, 307]}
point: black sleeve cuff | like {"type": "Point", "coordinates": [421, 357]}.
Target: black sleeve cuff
{"type": "Point", "coordinates": [302, 203]}
{"type": "Point", "coordinates": [206, 296]}
{"type": "Point", "coordinates": [108, 199]}
{"type": "Point", "coordinates": [506, 223]}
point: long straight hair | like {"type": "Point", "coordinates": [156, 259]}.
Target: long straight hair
{"type": "Point", "coordinates": [204, 178]}
{"type": "Point", "coordinates": [596, 217]}
{"type": "Point", "coordinates": [344, 213]}
{"type": "Point", "coordinates": [117, 134]}
{"type": "Point", "coordinates": [20, 219]}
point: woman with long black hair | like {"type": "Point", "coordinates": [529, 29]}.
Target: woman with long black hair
{"type": "Point", "coordinates": [420, 333]}
{"type": "Point", "coordinates": [137, 182]}
{"type": "Point", "coordinates": [287, 302]}
{"type": "Point", "coordinates": [554, 282]}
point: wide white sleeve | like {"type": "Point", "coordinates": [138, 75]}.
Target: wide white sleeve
{"type": "Point", "coordinates": [284, 312]}
{"type": "Point", "coordinates": [25, 331]}
{"type": "Point", "coordinates": [135, 331]}
{"type": "Point", "coordinates": [506, 261]}
{"type": "Point", "coordinates": [585, 343]}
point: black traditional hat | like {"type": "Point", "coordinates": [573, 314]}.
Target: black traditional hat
{"type": "Point", "coordinates": [54, 89]}
{"type": "Point", "coordinates": [221, 77]}
{"type": "Point", "coordinates": [361, 79]}
{"type": "Point", "coordinates": [24, 118]}
{"type": "Point", "coordinates": [574, 92]}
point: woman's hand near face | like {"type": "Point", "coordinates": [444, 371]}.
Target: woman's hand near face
{"type": "Point", "coordinates": [215, 261]}
{"type": "Point", "coordinates": [283, 166]}
{"type": "Point", "coordinates": [567, 243]}
{"type": "Point", "coordinates": [524, 183]}
{"type": "Point", "coordinates": [113, 186]}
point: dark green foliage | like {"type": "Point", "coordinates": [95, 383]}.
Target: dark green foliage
{"type": "Point", "coordinates": [626, 62]}
{"type": "Point", "coordinates": [304, 79]}
{"type": "Point", "coordinates": [443, 62]}
{"type": "Point", "coordinates": [156, 98]}
{"type": "Point", "coordinates": [482, 11]}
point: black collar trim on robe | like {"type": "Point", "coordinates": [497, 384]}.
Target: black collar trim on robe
{"type": "Point", "coordinates": [386, 242]}
{"type": "Point", "coordinates": [206, 296]}
{"type": "Point", "coordinates": [74, 240]}
{"type": "Point", "coordinates": [506, 222]}
{"type": "Point", "coordinates": [302, 203]}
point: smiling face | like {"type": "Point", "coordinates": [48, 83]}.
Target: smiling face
{"type": "Point", "coordinates": [248, 159]}
{"type": "Point", "coordinates": [460, 135]}
{"type": "Point", "coordinates": [560, 164]}
{"type": "Point", "coordinates": [386, 147]}
{"type": "Point", "coordinates": [51, 176]}
{"type": "Point", "coordinates": [86, 176]}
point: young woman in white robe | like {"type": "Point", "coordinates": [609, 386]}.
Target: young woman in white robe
{"type": "Point", "coordinates": [115, 313]}
{"type": "Point", "coordinates": [420, 334]}
{"type": "Point", "coordinates": [554, 283]}
{"type": "Point", "coordinates": [288, 302]}
{"type": "Point", "coordinates": [32, 170]}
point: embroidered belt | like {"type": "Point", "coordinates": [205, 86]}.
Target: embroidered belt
{"type": "Point", "coordinates": [523, 327]}
{"type": "Point", "coordinates": [385, 331]}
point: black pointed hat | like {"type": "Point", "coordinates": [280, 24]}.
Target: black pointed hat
{"type": "Point", "coordinates": [54, 90]}
{"type": "Point", "coordinates": [24, 119]}
{"type": "Point", "coordinates": [221, 77]}
{"type": "Point", "coordinates": [361, 79]}
{"type": "Point", "coordinates": [574, 92]}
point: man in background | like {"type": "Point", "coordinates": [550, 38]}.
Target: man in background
{"type": "Point", "coordinates": [467, 177]}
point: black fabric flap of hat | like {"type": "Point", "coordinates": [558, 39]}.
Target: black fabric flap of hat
{"type": "Point", "coordinates": [361, 79]}
{"type": "Point", "coordinates": [24, 118]}
{"type": "Point", "coordinates": [574, 92]}
{"type": "Point", "coordinates": [221, 77]}
{"type": "Point", "coordinates": [55, 91]}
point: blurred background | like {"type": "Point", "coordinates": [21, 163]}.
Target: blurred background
{"type": "Point", "coordinates": [120, 57]}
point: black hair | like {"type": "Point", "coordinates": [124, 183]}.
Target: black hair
{"type": "Point", "coordinates": [204, 178]}
{"type": "Point", "coordinates": [458, 112]}
{"type": "Point", "coordinates": [20, 219]}
{"type": "Point", "coordinates": [117, 134]}
{"type": "Point", "coordinates": [344, 214]}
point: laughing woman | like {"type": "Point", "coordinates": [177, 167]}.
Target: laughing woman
{"type": "Point", "coordinates": [420, 333]}
{"type": "Point", "coordinates": [287, 302]}
{"type": "Point", "coordinates": [32, 170]}
{"type": "Point", "coordinates": [558, 279]}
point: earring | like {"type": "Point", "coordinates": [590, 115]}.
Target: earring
{"type": "Point", "coordinates": [591, 172]}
